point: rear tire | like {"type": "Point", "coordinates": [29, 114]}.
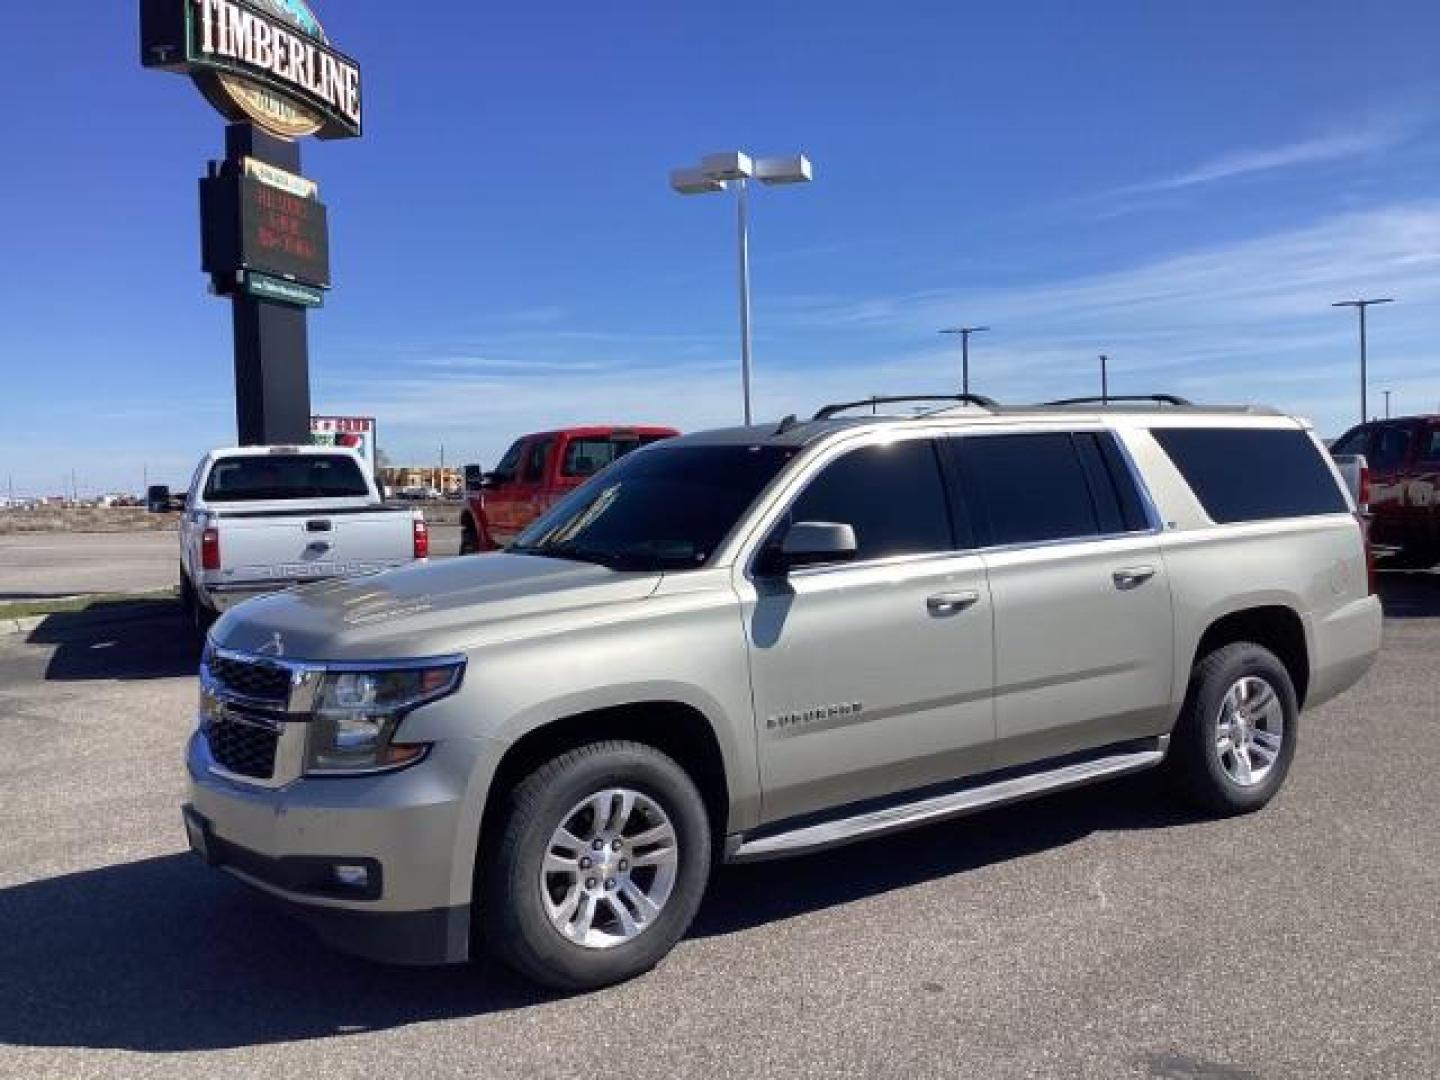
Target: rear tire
{"type": "Point", "coordinates": [1236, 736]}
{"type": "Point", "coordinates": [600, 865]}
{"type": "Point", "coordinates": [469, 537]}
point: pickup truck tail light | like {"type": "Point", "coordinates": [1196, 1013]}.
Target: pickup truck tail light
{"type": "Point", "coordinates": [422, 538]}
{"type": "Point", "coordinates": [1364, 499]}
{"type": "Point", "coordinates": [210, 548]}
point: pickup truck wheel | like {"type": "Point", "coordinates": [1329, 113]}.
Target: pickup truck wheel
{"type": "Point", "coordinates": [600, 866]}
{"type": "Point", "coordinates": [197, 614]}
{"type": "Point", "coordinates": [469, 538]}
{"type": "Point", "coordinates": [1235, 738]}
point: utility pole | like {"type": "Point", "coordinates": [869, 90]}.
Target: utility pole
{"type": "Point", "coordinates": [1104, 380]}
{"type": "Point", "coordinates": [1360, 306]}
{"type": "Point", "coordinates": [1387, 403]}
{"type": "Point", "coordinates": [964, 332]}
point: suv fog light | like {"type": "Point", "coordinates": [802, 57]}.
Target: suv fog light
{"type": "Point", "coordinates": [352, 877]}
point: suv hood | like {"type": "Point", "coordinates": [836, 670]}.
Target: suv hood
{"type": "Point", "coordinates": [427, 609]}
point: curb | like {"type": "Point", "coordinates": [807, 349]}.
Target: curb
{"type": "Point", "coordinates": [21, 626]}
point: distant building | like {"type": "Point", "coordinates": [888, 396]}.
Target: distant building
{"type": "Point", "coordinates": [396, 479]}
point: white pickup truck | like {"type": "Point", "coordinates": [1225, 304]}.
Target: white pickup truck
{"type": "Point", "coordinates": [262, 518]}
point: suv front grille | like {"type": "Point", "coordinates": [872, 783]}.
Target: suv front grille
{"type": "Point", "coordinates": [243, 746]}
{"type": "Point", "coordinates": [252, 679]}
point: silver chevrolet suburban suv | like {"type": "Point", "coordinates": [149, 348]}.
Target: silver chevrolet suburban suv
{"type": "Point", "coordinates": [749, 643]}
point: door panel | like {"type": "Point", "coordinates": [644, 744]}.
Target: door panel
{"type": "Point", "coordinates": [1083, 645]}
{"type": "Point", "coordinates": [869, 679]}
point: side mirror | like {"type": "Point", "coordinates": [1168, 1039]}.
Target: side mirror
{"type": "Point", "coordinates": [157, 498]}
{"type": "Point", "coordinates": [807, 543]}
{"type": "Point", "coordinates": [474, 479]}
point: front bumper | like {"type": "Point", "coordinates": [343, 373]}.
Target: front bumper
{"type": "Point", "coordinates": [409, 831]}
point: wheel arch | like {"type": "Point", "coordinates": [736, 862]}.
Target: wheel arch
{"type": "Point", "coordinates": [1275, 626]}
{"type": "Point", "coordinates": [676, 728]}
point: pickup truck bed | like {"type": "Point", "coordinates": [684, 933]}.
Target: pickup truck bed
{"type": "Point", "coordinates": [243, 533]}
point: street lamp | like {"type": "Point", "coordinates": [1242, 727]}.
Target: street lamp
{"type": "Point", "coordinates": [964, 332]}
{"type": "Point", "coordinates": [718, 172]}
{"type": "Point", "coordinates": [1387, 403]}
{"type": "Point", "coordinates": [1360, 306]}
{"type": "Point", "coordinates": [1104, 379]}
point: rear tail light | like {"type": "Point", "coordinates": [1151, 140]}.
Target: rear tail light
{"type": "Point", "coordinates": [422, 539]}
{"type": "Point", "coordinates": [210, 548]}
{"type": "Point", "coordinates": [1364, 499]}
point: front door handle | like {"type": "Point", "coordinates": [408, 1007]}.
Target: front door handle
{"type": "Point", "coordinates": [950, 603]}
{"type": "Point", "coordinates": [1128, 577]}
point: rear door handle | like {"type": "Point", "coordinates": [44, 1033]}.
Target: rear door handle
{"type": "Point", "coordinates": [1128, 577]}
{"type": "Point", "coordinates": [951, 603]}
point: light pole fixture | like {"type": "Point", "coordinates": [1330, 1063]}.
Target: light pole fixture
{"type": "Point", "coordinates": [964, 332]}
{"type": "Point", "coordinates": [1104, 379]}
{"type": "Point", "coordinates": [1360, 306]}
{"type": "Point", "coordinates": [719, 172]}
{"type": "Point", "coordinates": [1387, 403]}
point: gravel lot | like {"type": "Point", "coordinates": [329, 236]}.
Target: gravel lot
{"type": "Point", "coordinates": [1096, 934]}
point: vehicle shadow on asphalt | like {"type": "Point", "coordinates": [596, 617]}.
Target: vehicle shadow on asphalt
{"type": "Point", "coordinates": [746, 896]}
{"type": "Point", "coordinates": [134, 639]}
{"type": "Point", "coordinates": [1410, 594]}
{"type": "Point", "coordinates": [164, 955]}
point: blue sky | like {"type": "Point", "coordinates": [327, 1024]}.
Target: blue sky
{"type": "Point", "coordinates": [1185, 187]}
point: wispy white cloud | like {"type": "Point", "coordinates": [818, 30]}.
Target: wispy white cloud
{"type": "Point", "coordinates": [1246, 320]}
{"type": "Point", "coordinates": [1359, 138]}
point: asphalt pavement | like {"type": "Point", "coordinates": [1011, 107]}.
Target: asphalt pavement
{"type": "Point", "coordinates": [1095, 934]}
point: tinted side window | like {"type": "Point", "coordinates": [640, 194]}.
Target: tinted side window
{"type": "Point", "coordinates": [893, 496]}
{"type": "Point", "coordinates": [536, 459]}
{"type": "Point", "coordinates": [1390, 448]}
{"type": "Point", "coordinates": [1253, 474]}
{"type": "Point", "coordinates": [587, 456]}
{"type": "Point", "coordinates": [1029, 488]}
{"type": "Point", "coordinates": [1352, 442]}
{"type": "Point", "coordinates": [509, 465]}
{"type": "Point", "coordinates": [1430, 449]}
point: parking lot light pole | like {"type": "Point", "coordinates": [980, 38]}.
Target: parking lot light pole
{"type": "Point", "coordinates": [1360, 306]}
{"type": "Point", "coordinates": [1104, 379]}
{"type": "Point", "coordinates": [964, 332]}
{"type": "Point", "coordinates": [719, 172]}
{"type": "Point", "coordinates": [1387, 403]}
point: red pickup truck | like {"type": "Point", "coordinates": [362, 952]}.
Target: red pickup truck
{"type": "Point", "coordinates": [537, 471]}
{"type": "Point", "coordinates": [1404, 459]}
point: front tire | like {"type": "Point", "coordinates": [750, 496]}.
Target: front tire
{"type": "Point", "coordinates": [1236, 736]}
{"type": "Point", "coordinates": [601, 863]}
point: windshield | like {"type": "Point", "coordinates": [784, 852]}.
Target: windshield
{"type": "Point", "coordinates": [666, 508]}
{"type": "Point", "coordinates": [285, 476]}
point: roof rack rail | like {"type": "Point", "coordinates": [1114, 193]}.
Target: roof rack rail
{"type": "Point", "coordinates": [960, 399]}
{"type": "Point", "coordinates": [1162, 399]}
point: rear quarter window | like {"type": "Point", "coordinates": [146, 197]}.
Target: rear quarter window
{"type": "Point", "coordinates": [1253, 474]}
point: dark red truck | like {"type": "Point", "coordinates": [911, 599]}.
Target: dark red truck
{"type": "Point", "coordinates": [537, 471]}
{"type": "Point", "coordinates": [1404, 459]}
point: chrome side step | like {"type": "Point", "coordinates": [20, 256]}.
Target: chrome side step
{"type": "Point", "coordinates": [952, 804]}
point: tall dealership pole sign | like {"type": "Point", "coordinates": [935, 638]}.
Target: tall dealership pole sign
{"type": "Point", "coordinates": [269, 69]}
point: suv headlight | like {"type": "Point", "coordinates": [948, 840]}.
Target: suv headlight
{"type": "Point", "coordinates": [357, 712]}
